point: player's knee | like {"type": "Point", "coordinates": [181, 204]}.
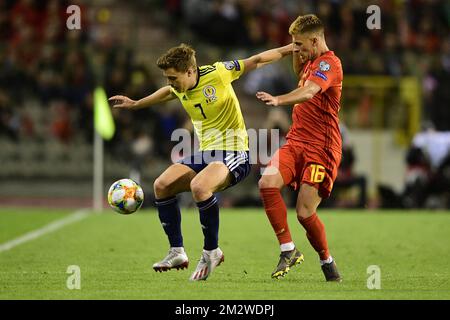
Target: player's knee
{"type": "Point", "coordinates": [265, 182]}
{"type": "Point", "coordinates": [160, 187]}
{"type": "Point", "coordinates": [198, 189]}
{"type": "Point", "coordinates": [305, 209]}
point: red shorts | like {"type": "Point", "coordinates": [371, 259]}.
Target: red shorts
{"type": "Point", "coordinates": [305, 163]}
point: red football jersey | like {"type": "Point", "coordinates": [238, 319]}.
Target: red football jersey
{"type": "Point", "coordinates": [316, 121]}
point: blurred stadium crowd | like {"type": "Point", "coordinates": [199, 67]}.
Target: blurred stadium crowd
{"type": "Point", "coordinates": [414, 39]}
{"type": "Point", "coordinates": [44, 65]}
{"type": "Point", "coordinates": [42, 61]}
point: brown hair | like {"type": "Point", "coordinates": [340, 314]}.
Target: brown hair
{"type": "Point", "coordinates": [306, 23]}
{"type": "Point", "coordinates": [180, 58]}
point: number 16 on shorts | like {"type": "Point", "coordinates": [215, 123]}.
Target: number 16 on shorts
{"type": "Point", "coordinates": [317, 173]}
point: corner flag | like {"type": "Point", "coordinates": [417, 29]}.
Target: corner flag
{"type": "Point", "coordinates": [103, 120]}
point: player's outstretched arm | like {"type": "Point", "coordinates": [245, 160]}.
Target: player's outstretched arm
{"type": "Point", "coordinates": [266, 57]}
{"type": "Point", "coordinates": [162, 95]}
{"type": "Point", "coordinates": [296, 96]}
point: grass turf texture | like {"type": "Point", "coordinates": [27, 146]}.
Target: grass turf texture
{"type": "Point", "coordinates": [115, 254]}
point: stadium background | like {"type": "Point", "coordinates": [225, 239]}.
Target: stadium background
{"type": "Point", "coordinates": [396, 85]}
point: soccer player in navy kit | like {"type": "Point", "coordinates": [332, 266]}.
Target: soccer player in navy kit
{"type": "Point", "coordinates": [208, 97]}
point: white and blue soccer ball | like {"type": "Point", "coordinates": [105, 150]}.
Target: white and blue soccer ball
{"type": "Point", "coordinates": [125, 196]}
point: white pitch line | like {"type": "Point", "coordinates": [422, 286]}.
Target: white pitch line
{"type": "Point", "coordinates": [58, 224]}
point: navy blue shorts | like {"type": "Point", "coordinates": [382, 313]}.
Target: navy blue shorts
{"type": "Point", "coordinates": [238, 162]}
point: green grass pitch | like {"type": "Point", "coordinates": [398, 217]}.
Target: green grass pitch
{"type": "Point", "coordinates": [115, 254]}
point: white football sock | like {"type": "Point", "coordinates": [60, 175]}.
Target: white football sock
{"type": "Point", "coordinates": [178, 249]}
{"type": "Point", "coordinates": [287, 246]}
{"type": "Point", "coordinates": [329, 260]}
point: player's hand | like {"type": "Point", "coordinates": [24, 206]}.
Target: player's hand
{"type": "Point", "coordinates": [267, 98]}
{"type": "Point", "coordinates": [122, 102]}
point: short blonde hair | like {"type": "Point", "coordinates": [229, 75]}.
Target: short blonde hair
{"type": "Point", "coordinates": [180, 58]}
{"type": "Point", "coordinates": [306, 23]}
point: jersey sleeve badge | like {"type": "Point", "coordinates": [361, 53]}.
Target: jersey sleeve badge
{"type": "Point", "coordinates": [324, 66]}
{"type": "Point", "coordinates": [320, 75]}
{"type": "Point", "coordinates": [230, 65]}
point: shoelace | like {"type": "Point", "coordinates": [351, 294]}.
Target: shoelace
{"type": "Point", "coordinates": [171, 256]}
{"type": "Point", "coordinates": [286, 255]}
{"type": "Point", "coordinates": [203, 258]}
{"type": "Point", "coordinates": [286, 258]}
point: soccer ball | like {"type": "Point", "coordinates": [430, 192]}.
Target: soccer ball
{"type": "Point", "coordinates": [125, 196]}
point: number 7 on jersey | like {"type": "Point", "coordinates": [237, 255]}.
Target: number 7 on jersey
{"type": "Point", "coordinates": [198, 105]}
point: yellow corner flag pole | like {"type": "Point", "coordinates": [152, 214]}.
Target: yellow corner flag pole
{"type": "Point", "coordinates": [104, 128]}
{"type": "Point", "coordinates": [103, 119]}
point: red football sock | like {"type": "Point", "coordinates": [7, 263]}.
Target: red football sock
{"type": "Point", "coordinates": [277, 213]}
{"type": "Point", "coordinates": [315, 231]}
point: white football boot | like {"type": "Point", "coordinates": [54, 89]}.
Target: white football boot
{"type": "Point", "coordinates": [208, 262]}
{"type": "Point", "coordinates": [176, 259]}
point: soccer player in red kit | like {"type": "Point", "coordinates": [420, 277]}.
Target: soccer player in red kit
{"type": "Point", "coordinates": [309, 160]}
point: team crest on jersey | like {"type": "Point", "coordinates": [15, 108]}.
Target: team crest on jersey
{"type": "Point", "coordinates": [210, 93]}
{"type": "Point", "coordinates": [324, 66]}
